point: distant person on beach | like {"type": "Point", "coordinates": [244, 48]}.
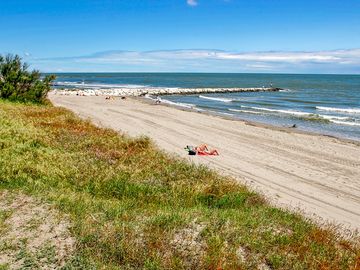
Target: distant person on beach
{"type": "Point", "coordinates": [158, 100]}
{"type": "Point", "coordinates": [202, 147]}
{"type": "Point", "coordinates": [201, 150]}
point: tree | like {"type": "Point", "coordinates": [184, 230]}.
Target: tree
{"type": "Point", "coordinates": [17, 83]}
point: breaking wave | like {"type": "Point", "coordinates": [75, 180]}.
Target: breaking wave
{"type": "Point", "coordinates": [279, 111]}
{"type": "Point", "coordinates": [341, 120]}
{"type": "Point", "coordinates": [345, 123]}
{"type": "Point", "coordinates": [216, 98]}
{"type": "Point", "coordinates": [333, 109]}
{"type": "Point", "coordinates": [178, 104]}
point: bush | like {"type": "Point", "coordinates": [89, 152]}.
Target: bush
{"type": "Point", "coordinates": [17, 83]}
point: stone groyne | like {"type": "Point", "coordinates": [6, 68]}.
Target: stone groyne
{"type": "Point", "coordinates": [123, 92]}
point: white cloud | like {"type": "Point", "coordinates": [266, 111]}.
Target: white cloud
{"type": "Point", "coordinates": [335, 61]}
{"type": "Point", "coordinates": [336, 56]}
{"type": "Point", "coordinates": [192, 3]}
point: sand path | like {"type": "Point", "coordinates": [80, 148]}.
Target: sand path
{"type": "Point", "coordinates": [319, 175]}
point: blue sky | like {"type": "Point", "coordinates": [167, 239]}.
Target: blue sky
{"type": "Point", "coordinates": [184, 35]}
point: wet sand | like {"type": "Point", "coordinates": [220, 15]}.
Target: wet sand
{"type": "Point", "coordinates": [318, 175]}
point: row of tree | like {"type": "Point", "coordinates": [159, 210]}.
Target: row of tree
{"type": "Point", "coordinates": [19, 84]}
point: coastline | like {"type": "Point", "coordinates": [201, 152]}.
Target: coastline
{"type": "Point", "coordinates": [312, 173]}
{"type": "Point", "coordinates": [281, 109]}
{"type": "Point", "coordinates": [248, 122]}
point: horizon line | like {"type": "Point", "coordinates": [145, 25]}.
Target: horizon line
{"type": "Point", "coordinates": [197, 72]}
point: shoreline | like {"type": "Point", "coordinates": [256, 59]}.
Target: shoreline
{"type": "Point", "coordinates": [247, 122]}
{"type": "Point", "coordinates": [303, 124]}
{"type": "Point", "coordinates": [305, 172]}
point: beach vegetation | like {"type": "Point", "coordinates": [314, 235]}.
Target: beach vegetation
{"type": "Point", "coordinates": [17, 83]}
{"type": "Point", "coordinates": [315, 118]}
{"type": "Point", "coordinates": [132, 206]}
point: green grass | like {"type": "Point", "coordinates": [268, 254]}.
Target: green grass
{"type": "Point", "coordinates": [135, 207]}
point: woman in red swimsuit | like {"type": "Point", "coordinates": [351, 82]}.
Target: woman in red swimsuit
{"type": "Point", "coordinates": [203, 150]}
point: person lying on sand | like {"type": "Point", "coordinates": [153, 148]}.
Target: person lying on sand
{"type": "Point", "coordinates": [212, 152]}
{"type": "Point", "coordinates": [201, 150]}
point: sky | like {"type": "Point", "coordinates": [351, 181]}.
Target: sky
{"type": "Point", "coordinates": [272, 36]}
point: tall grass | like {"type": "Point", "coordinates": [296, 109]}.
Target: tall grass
{"type": "Point", "coordinates": [135, 207]}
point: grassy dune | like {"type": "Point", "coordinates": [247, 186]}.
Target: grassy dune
{"type": "Point", "coordinates": [135, 207]}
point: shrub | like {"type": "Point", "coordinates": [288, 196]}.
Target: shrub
{"type": "Point", "coordinates": [17, 83]}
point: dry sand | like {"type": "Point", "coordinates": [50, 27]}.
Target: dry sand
{"type": "Point", "coordinates": [317, 174]}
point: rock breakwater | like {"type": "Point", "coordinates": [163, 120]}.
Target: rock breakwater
{"type": "Point", "coordinates": [157, 91]}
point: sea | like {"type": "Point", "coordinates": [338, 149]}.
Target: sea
{"type": "Point", "coordinates": [324, 104]}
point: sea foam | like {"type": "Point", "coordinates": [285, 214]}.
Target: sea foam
{"type": "Point", "coordinates": [216, 98]}
{"type": "Point", "coordinates": [280, 111]}
{"type": "Point", "coordinates": [345, 123]}
{"type": "Point", "coordinates": [344, 110]}
{"type": "Point", "coordinates": [179, 104]}
{"type": "Point", "coordinates": [332, 117]}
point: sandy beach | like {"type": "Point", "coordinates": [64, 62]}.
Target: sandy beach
{"type": "Point", "coordinates": [316, 174]}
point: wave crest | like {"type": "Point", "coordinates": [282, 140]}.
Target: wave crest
{"type": "Point", "coordinates": [334, 109]}
{"type": "Point", "coordinates": [216, 98]}
{"type": "Point", "coordinates": [345, 123]}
